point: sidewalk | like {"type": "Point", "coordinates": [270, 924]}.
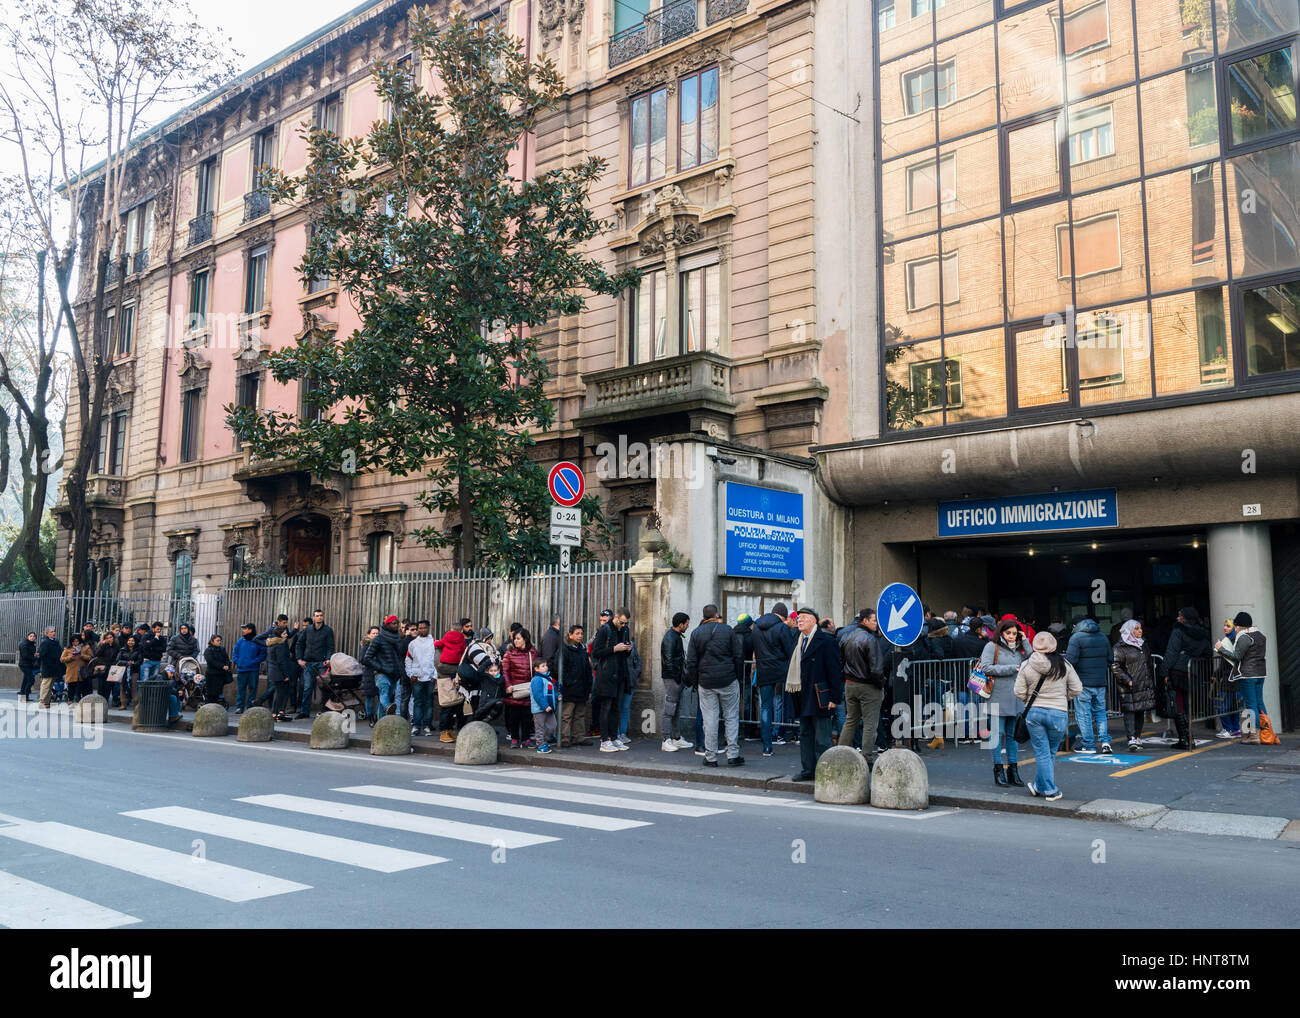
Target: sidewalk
{"type": "Point", "coordinates": [1220, 787]}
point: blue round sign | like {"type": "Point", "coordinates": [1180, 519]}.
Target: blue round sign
{"type": "Point", "coordinates": [900, 614]}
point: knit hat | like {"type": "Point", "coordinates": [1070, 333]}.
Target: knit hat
{"type": "Point", "coordinates": [1243, 620]}
{"type": "Point", "coordinates": [1044, 642]}
{"type": "Point", "coordinates": [744, 617]}
{"type": "Point", "coordinates": [389, 619]}
{"type": "Point", "coordinates": [780, 610]}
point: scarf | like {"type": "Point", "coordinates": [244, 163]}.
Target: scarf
{"type": "Point", "coordinates": [793, 675]}
{"type": "Point", "coordinates": [1126, 634]}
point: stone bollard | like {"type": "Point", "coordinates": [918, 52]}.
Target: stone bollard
{"type": "Point", "coordinates": [330, 731]}
{"type": "Point", "coordinates": [211, 720]}
{"type": "Point", "coordinates": [899, 781]}
{"type": "Point", "coordinates": [476, 744]}
{"type": "Point", "coordinates": [391, 736]}
{"type": "Point", "coordinates": [91, 710]}
{"type": "Point", "coordinates": [843, 777]}
{"type": "Point", "coordinates": [256, 724]}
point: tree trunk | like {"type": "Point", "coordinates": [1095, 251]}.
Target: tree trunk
{"type": "Point", "coordinates": [468, 552]}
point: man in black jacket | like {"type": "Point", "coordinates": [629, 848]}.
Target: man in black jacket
{"type": "Point", "coordinates": [314, 648]}
{"type": "Point", "coordinates": [712, 659]}
{"type": "Point", "coordinates": [575, 694]}
{"type": "Point", "coordinates": [152, 645]}
{"type": "Point", "coordinates": [386, 655]}
{"type": "Point", "coordinates": [864, 679]}
{"type": "Point", "coordinates": [773, 644]}
{"type": "Point", "coordinates": [51, 667]}
{"type": "Point", "coordinates": [672, 665]}
{"type": "Point", "coordinates": [610, 648]}
{"type": "Point", "coordinates": [817, 684]}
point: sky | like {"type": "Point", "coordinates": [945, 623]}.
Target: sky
{"type": "Point", "coordinates": [261, 28]}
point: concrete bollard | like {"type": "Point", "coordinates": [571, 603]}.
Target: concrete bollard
{"type": "Point", "coordinates": [210, 720]}
{"type": "Point", "coordinates": [476, 744]}
{"type": "Point", "coordinates": [91, 710]}
{"type": "Point", "coordinates": [330, 731]}
{"type": "Point", "coordinates": [843, 777]}
{"type": "Point", "coordinates": [899, 781]}
{"type": "Point", "coordinates": [256, 724]}
{"type": "Point", "coordinates": [391, 736]}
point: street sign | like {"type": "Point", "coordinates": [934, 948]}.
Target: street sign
{"type": "Point", "coordinates": [900, 614]}
{"type": "Point", "coordinates": [570, 536]}
{"type": "Point", "coordinates": [562, 516]}
{"type": "Point", "coordinates": [566, 483]}
{"type": "Point", "coordinates": [564, 559]}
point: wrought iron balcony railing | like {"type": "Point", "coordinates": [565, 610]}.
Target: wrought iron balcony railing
{"type": "Point", "coordinates": [140, 261]}
{"type": "Point", "coordinates": [200, 228]}
{"type": "Point", "coordinates": [716, 10]}
{"type": "Point", "coordinates": [112, 272]}
{"type": "Point", "coordinates": [257, 203]}
{"type": "Point", "coordinates": [671, 22]}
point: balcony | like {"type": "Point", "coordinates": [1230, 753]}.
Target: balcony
{"type": "Point", "coordinates": [139, 261]}
{"type": "Point", "coordinates": [257, 204]}
{"type": "Point", "coordinates": [200, 229]}
{"type": "Point", "coordinates": [695, 386]}
{"type": "Point", "coordinates": [716, 10]}
{"type": "Point", "coordinates": [674, 20]}
{"type": "Point", "coordinates": [112, 272]}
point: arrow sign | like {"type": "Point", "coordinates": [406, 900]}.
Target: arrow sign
{"type": "Point", "coordinates": [564, 559]}
{"type": "Point", "coordinates": [898, 616]}
{"type": "Point", "coordinates": [899, 609]}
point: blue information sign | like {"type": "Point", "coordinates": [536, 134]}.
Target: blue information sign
{"type": "Point", "coordinates": [900, 614]}
{"type": "Point", "coordinates": [1030, 514]}
{"type": "Point", "coordinates": [763, 532]}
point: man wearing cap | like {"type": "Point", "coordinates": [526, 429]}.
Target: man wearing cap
{"type": "Point", "coordinates": [386, 655]}
{"type": "Point", "coordinates": [817, 685]}
{"type": "Point", "coordinates": [1248, 655]}
{"type": "Point", "coordinates": [247, 656]}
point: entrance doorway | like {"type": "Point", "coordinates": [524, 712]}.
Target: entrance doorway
{"type": "Point", "coordinates": [307, 546]}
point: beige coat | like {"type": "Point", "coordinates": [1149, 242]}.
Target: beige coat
{"type": "Point", "coordinates": [1056, 693]}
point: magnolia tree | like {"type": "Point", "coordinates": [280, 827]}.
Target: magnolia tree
{"type": "Point", "coordinates": [452, 260]}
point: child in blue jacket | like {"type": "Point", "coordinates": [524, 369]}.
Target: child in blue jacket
{"type": "Point", "coordinates": [542, 689]}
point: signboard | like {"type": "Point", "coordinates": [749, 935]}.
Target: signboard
{"type": "Point", "coordinates": [564, 559]}
{"type": "Point", "coordinates": [763, 532]}
{"type": "Point", "coordinates": [562, 516]}
{"type": "Point", "coordinates": [901, 617]}
{"type": "Point", "coordinates": [1030, 514]}
{"type": "Point", "coordinates": [566, 483]}
{"type": "Point", "coordinates": [571, 536]}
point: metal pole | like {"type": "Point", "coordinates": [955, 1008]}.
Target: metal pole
{"type": "Point", "coordinates": [559, 660]}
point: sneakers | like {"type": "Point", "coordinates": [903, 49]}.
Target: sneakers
{"type": "Point", "coordinates": [608, 747]}
{"type": "Point", "coordinates": [710, 763]}
{"type": "Point", "coordinates": [681, 743]}
{"type": "Point", "coordinates": [669, 746]}
{"type": "Point", "coordinates": [767, 752]}
{"type": "Point", "coordinates": [514, 744]}
{"type": "Point", "coordinates": [1105, 749]}
{"type": "Point", "coordinates": [778, 741]}
{"type": "Point", "coordinates": [1134, 744]}
{"type": "Point", "coordinates": [1053, 796]}
{"type": "Point", "coordinates": [1086, 751]}
{"type": "Point", "coordinates": [1137, 743]}
{"type": "Point", "coordinates": [700, 751]}
{"type": "Point", "coordinates": [1223, 733]}
{"type": "Point", "coordinates": [619, 744]}
{"type": "Point", "coordinates": [544, 748]}
{"type": "Point", "coordinates": [1033, 789]}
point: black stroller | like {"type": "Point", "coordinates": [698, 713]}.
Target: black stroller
{"type": "Point", "coordinates": [340, 682]}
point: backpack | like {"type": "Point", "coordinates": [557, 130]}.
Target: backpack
{"type": "Point", "coordinates": [634, 665]}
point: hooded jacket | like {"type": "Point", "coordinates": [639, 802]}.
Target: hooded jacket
{"type": "Point", "coordinates": [773, 644]}
{"type": "Point", "coordinates": [745, 630]}
{"type": "Point", "coordinates": [386, 654]}
{"type": "Point", "coordinates": [182, 645]}
{"type": "Point", "coordinates": [1187, 641]}
{"type": "Point", "coordinates": [1090, 653]}
{"type": "Point", "coordinates": [1055, 694]}
{"type": "Point", "coordinates": [452, 645]}
{"type": "Point", "coordinates": [248, 654]}
{"type": "Point", "coordinates": [279, 661]}
{"type": "Point", "coordinates": [712, 655]}
{"type": "Point", "coordinates": [1135, 677]}
{"type": "Point", "coordinates": [612, 677]}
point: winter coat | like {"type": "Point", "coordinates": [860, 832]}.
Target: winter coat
{"type": "Point", "coordinates": [102, 660]}
{"type": "Point", "coordinates": [1090, 653]}
{"type": "Point", "coordinates": [218, 664]}
{"type": "Point", "coordinates": [386, 654]}
{"type": "Point", "coordinates": [712, 656]}
{"type": "Point", "coordinates": [180, 646]}
{"type": "Point", "coordinates": [517, 671]}
{"type": "Point", "coordinates": [280, 664]}
{"type": "Point", "coordinates": [452, 645]}
{"type": "Point", "coordinates": [1187, 641]}
{"type": "Point", "coordinates": [819, 669]}
{"type": "Point", "coordinates": [368, 687]}
{"type": "Point", "coordinates": [863, 657]}
{"type": "Point", "coordinates": [967, 644]}
{"type": "Point", "coordinates": [575, 683]}
{"type": "Point", "coordinates": [247, 655]}
{"type": "Point", "coordinates": [420, 655]}
{"type": "Point", "coordinates": [315, 644]}
{"type": "Point", "coordinates": [611, 668]}
{"type": "Point", "coordinates": [73, 663]}
{"type": "Point", "coordinates": [49, 654]}
{"type": "Point", "coordinates": [1135, 678]}
{"type": "Point", "coordinates": [1003, 663]}
{"type": "Point", "coordinates": [550, 643]}
{"type": "Point", "coordinates": [745, 630]}
{"type": "Point", "coordinates": [153, 647]}
{"type": "Point", "coordinates": [130, 659]}
{"type": "Point", "coordinates": [1055, 694]}
{"type": "Point", "coordinates": [672, 656]}
{"type": "Point", "coordinates": [1248, 653]}
{"type": "Point", "coordinates": [27, 654]}
{"type": "Point", "coordinates": [541, 693]}
{"type": "Point", "coordinates": [773, 644]}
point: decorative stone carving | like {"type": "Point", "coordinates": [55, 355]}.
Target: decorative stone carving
{"type": "Point", "coordinates": [182, 540]}
{"type": "Point", "coordinates": [193, 370]}
{"type": "Point", "coordinates": [687, 232]}
{"type": "Point", "coordinates": [553, 15]}
{"type": "Point", "coordinates": [247, 534]}
{"type": "Point", "coordinates": [684, 63]}
{"type": "Point", "coordinates": [392, 521]}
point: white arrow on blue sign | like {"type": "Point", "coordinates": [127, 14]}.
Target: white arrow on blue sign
{"type": "Point", "coordinates": [900, 614]}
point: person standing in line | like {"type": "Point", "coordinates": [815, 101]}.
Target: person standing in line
{"type": "Point", "coordinates": [744, 628]}
{"type": "Point", "coordinates": [541, 695]}
{"type": "Point", "coordinates": [815, 680]}
{"type": "Point", "coordinates": [863, 661]}
{"type": "Point", "coordinates": [773, 644]}
{"type": "Point", "coordinates": [74, 658]}
{"type": "Point", "coordinates": [386, 655]}
{"type": "Point", "coordinates": [610, 650]}
{"type": "Point", "coordinates": [246, 656]}
{"type": "Point", "coordinates": [420, 668]}
{"type": "Point", "coordinates": [314, 648]}
{"type": "Point", "coordinates": [217, 672]}
{"type": "Point", "coordinates": [50, 654]}
{"type": "Point", "coordinates": [368, 691]}
{"type": "Point", "coordinates": [1001, 660]}
{"type": "Point", "coordinates": [452, 648]}
{"type": "Point", "coordinates": [1046, 683]}
{"type": "Point", "coordinates": [104, 658]}
{"type": "Point", "coordinates": [1225, 692]}
{"type": "Point", "coordinates": [549, 644]}
{"type": "Point", "coordinates": [517, 668]}
{"type": "Point", "coordinates": [128, 659]}
{"type": "Point", "coordinates": [27, 664]}
{"type": "Point", "coordinates": [1091, 656]}
{"type": "Point", "coordinates": [152, 647]}
{"type": "Point", "coordinates": [713, 661]}
{"type": "Point", "coordinates": [575, 690]}
{"type": "Point", "coordinates": [672, 664]}
{"type": "Point", "coordinates": [1135, 677]}
{"type": "Point", "coordinates": [597, 701]}
{"type": "Point", "coordinates": [1248, 655]}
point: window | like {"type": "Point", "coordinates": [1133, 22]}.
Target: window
{"type": "Point", "coordinates": [634, 527]}
{"type": "Point", "coordinates": [927, 384]}
{"type": "Point", "coordinates": [107, 585]}
{"type": "Point", "coordinates": [922, 90]}
{"type": "Point", "coordinates": [206, 189]}
{"type": "Point", "coordinates": [405, 66]}
{"type": "Point", "coordinates": [630, 13]}
{"type": "Point", "coordinates": [1096, 246]}
{"type": "Point", "coordinates": [1087, 29]}
{"type": "Point", "coordinates": [1262, 95]}
{"type": "Point", "coordinates": [1271, 319]}
{"type": "Point", "coordinates": [1092, 135]}
{"type": "Point", "coordinates": [920, 7]}
{"type": "Point", "coordinates": [246, 395]}
{"type": "Point", "coordinates": [101, 437]}
{"type": "Point", "coordinates": [381, 548]}
{"type": "Point", "coordinates": [126, 331]}
{"type": "Point", "coordinates": [1032, 160]}
{"type": "Point", "coordinates": [1204, 213]}
{"type": "Point", "coordinates": [263, 155]}
{"type": "Point", "coordinates": [318, 283]}
{"type": "Point", "coordinates": [308, 411]}
{"type": "Point", "coordinates": [137, 230]}
{"type": "Point", "coordinates": [239, 566]}
{"type": "Point", "coordinates": [117, 444]}
{"type": "Point", "coordinates": [255, 284]}
{"type": "Point", "coordinates": [191, 400]}
{"type": "Point", "coordinates": [327, 113]}
{"type": "Point", "coordinates": [199, 300]}
{"type": "Point", "coordinates": [1202, 111]}
{"type": "Point", "coordinates": [923, 282]}
{"type": "Point", "coordinates": [885, 15]}
{"type": "Point", "coordinates": [648, 318]}
{"type": "Point", "coordinates": [182, 575]}
{"type": "Point", "coordinates": [697, 106]}
{"type": "Point", "coordinates": [701, 305]}
{"type": "Point", "coordinates": [648, 143]}
{"type": "Point", "coordinates": [107, 334]}
{"type": "Point", "coordinates": [1101, 352]}
{"type": "Point", "coordinates": [923, 190]}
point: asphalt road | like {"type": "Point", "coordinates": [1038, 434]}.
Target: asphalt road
{"type": "Point", "coordinates": [171, 831]}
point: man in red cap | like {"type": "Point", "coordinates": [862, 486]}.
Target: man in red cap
{"type": "Point", "coordinates": [386, 656]}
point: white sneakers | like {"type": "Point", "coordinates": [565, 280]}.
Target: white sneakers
{"type": "Point", "coordinates": [608, 747]}
{"type": "Point", "coordinates": [681, 743]}
{"type": "Point", "coordinates": [621, 744]}
{"type": "Point", "coordinates": [669, 746]}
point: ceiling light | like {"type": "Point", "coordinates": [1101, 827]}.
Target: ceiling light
{"type": "Point", "coordinates": [1094, 545]}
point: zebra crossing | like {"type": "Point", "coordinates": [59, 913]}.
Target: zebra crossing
{"type": "Point", "coordinates": [423, 808]}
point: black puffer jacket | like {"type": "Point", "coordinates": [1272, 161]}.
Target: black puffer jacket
{"type": "Point", "coordinates": [576, 683]}
{"type": "Point", "coordinates": [713, 655]}
{"type": "Point", "coordinates": [280, 665]}
{"type": "Point", "coordinates": [386, 654]}
{"type": "Point", "coordinates": [27, 654]}
{"type": "Point", "coordinates": [182, 645]}
{"type": "Point", "coordinates": [672, 655]}
{"type": "Point", "coordinates": [1188, 641]}
{"type": "Point", "coordinates": [1135, 677]}
{"type": "Point", "coordinates": [773, 646]}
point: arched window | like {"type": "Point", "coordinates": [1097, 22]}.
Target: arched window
{"type": "Point", "coordinates": [183, 574]}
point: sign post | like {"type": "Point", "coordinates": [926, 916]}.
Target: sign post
{"type": "Point", "coordinates": [567, 486]}
{"type": "Point", "coordinates": [902, 620]}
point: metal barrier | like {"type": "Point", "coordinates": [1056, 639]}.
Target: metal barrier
{"type": "Point", "coordinates": [1208, 697]}
{"type": "Point", "coordinates": [28, 611]}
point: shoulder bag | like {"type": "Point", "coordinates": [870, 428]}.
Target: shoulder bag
{"type": "Point", "coordinates": [116, 673]}
{"type": "Point", "coordinates": [980, 683]}
{"type": "Point", "coordinates": [1022, 726]}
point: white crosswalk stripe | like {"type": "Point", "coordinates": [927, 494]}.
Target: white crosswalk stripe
{"type": "Point", "coordinates": [398, 821]}
{"type": "Point", "coordinates": [215, 879]}
{"type": "Point", "coordinates": [383, 858]}
{"type": "Point", "coordinates": [27, 905]}
{"type": "Point", "coordinates": [703, 794]}
{"type": "Point", "coordinates": [584, 798]}
{"type": "Point", "coordinates": [508, 809]}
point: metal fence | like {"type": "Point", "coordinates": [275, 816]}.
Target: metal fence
{"type": "Point", "coordinates": [354, 603]}
{"type": "Point", "coordinates": [1208, 697]}
{"type": "Point", "coordinates": [34, 611]}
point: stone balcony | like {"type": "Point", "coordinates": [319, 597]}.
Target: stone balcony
{"type": "Point", "coordinates": [696, 386]}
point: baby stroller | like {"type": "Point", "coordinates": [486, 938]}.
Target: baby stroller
{"type": "Point", "coordinates": [187, 674]}
{"type": "Point", "coordinates": [59, 691]}
{"type": "Point", "coordinates": [340, 682]}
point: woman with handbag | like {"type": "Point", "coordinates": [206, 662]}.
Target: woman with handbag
{"type": "Point", "coordinates": [517, 674]}
{"type": "Point", "coordinates": [75, 657]}
{"type": "Point", "coordinates": [127, 669]}
{"type": "Point", "coordinates": [1046, 683]}
{"type": "Point", "coordinates": [1134, 675]}
{"type": "Point", "coordinates": [104, 659]}
{"type": "Point", "coordinates": [1000, 662]}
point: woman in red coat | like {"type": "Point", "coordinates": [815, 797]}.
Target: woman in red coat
{"type": "Point", "coordinates": [517, 676]}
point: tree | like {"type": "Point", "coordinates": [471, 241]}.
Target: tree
{"type": "Point", "coordinates": [87, 77]}
{"type": "Point", "coordinates": [451, 261]}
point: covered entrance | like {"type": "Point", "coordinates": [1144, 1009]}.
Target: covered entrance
{"type": "Point", "coordinates": [307, 546]}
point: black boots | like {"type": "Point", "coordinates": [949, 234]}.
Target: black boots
{"type": "Point", "coordinates": [1184, 732]}
{"type": "Point", "coordinates": [999, 775]}
{"type": "Point", "coordinates": [1013, 776]}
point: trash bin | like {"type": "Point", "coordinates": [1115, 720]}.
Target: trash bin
{"type": "Point", "coordinates": [153, 695]}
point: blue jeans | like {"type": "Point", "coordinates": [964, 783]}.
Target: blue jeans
{"type": "Point", "coordinates": [841, 712]}
{"type": "Point", "coordinates": [421, 704]}
{"type": "Point", "coordinates": [148, 669]}
{"type": "Point", "coordinates": [1251, 691]}
{"type": "Point", "coordinates": [1003, 733]}
{"type": "Point", "coordinates": [767, 703]}
{"type": "Point", "coordinates": [173, 707]}
{"type": "Point", "coordinates": [385, 686]}
{"type": "Point", "coordinates": [1047, 727]}
{"type": "Point", "coordinates": [624, 714]}
{"type": "Point", "coordinates": [309, 672]}
{"type": "Point", "coordinates": [246, 683]}
{"type": "Point", "coordinates": [1090, 714]}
